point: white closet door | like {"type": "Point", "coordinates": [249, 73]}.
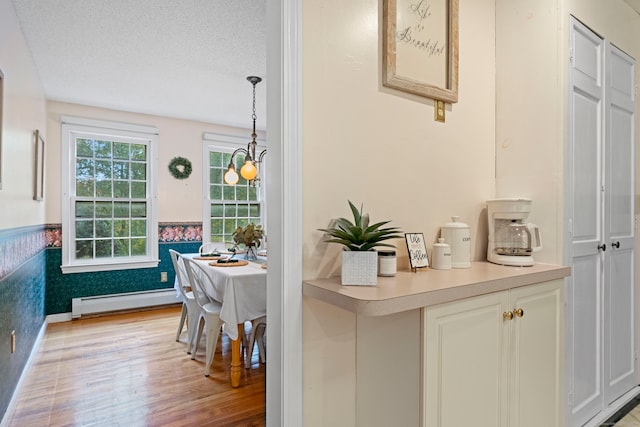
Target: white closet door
{"type": "Point", "coordinates": [584, 222]}
{"type": "Point", "coordinates": [619, 294]}
{"type": "Point", "coordinates": [600, 344]}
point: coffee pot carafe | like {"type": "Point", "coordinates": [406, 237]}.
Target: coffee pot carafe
{"type": "Point", "coordinates": [515, 239]}
{"type": "Point", "coordinates": [511, 240]}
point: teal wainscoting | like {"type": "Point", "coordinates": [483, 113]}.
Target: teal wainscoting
{"type": "Point", "coordinates": [22, 302]}
{"type": "Point", "coordinates": [33, 286]}
{"type": "Point", "coordinates": [62, 288]}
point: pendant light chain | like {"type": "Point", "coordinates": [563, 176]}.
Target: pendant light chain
{"type": "Point", "coordinates": [253, 116]}
{"type": "Point", "coordinates": [250, 170]}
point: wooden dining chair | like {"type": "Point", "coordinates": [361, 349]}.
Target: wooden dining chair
{"type": "Point", "coordinates": [190, 308]}
{"type": "Point", "coordinates": [209, 320]}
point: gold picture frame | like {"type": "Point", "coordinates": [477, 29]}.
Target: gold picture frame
{"type": "Point", "coordinates": [38, 186]}
{"type": "Point", "coordinates": [420, 47]}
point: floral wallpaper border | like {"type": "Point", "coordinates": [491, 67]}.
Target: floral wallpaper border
{"type": "Point", "coordinates": [17, 245]}
{"type": "Point", "coordinates": [168, 232]}
{"type": "Point", "coordinates": [184, 232]}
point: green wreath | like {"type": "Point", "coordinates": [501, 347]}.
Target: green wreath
{"type": "Point", "coordinates": [180, 167]}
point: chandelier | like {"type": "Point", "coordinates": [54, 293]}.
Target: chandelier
{"type": "Point", "coordinates": [251, 168]}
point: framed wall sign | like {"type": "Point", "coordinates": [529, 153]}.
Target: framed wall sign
{"type": "Point", "coordinates": [417, 250]}
{"type": "Point", "coordinates": [420, 47]}
{"type": "Point", "coordinates": [38, 186]}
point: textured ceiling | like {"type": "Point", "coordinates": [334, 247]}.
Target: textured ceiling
{"type": "Point", "coordinates": [186, 59]}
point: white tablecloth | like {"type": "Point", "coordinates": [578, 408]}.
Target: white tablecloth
{"type": "Point", "coordinates": [241, 290]}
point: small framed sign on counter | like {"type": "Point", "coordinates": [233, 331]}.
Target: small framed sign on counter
{"type": "Point", "coordinates": [418, 256]}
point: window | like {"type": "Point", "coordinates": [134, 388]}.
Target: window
{"type": "Point", "coordinates": [227, 207]}
{"type": "Point", "coordinates": [108, 200]}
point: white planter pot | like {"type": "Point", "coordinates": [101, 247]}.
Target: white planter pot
{"type": "Point", "coordinates": [360, 268]}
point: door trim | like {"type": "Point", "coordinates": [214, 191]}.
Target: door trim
{"type": "Point", "coordinates": [284, 404]}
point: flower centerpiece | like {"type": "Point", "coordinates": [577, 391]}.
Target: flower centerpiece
{"type": "Point", "coordinates": [250, 236]}
{"type": "Point", "coordinates": [359, 239]}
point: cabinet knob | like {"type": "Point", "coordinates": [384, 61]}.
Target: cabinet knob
{"type": "Point", "coordinates": [616, 245]}
{"type": "Point", "coordinates": [518, 312]}
{"type": "Point", "coordinates": [507, 315]}
{"type": "Point", "coordinates": [602, 247]}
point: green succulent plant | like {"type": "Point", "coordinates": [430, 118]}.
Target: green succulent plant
{"type": "Point", "coordinates": [359, 235]}
{"type": "Point", "coordinates": [249, 235]}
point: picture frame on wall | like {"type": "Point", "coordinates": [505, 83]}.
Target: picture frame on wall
{"type": "Point", "coordinates": [420, 47]}
{"type": "Point", "coordinates": [418, 256]}
{"type": "Point", "coordinates": [38, 187]}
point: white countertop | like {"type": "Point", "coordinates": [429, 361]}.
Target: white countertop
{"type": "Point", "coordinates": [409, 290]}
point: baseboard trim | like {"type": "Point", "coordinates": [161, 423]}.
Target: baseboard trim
{"type": "Point", "coordinates": [8, 415]}
{"type": "Point", "coordinates": [58, 318]}
{"type": "Point", "coordinates": [614, 409]}
{"type": "Point", "coordinates": [622, 412]}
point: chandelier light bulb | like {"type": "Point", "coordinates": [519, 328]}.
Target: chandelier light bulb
{"type": "Point", "coordinates": [231, 177]}
{"type": "Point", "coordinates": [248, 171]}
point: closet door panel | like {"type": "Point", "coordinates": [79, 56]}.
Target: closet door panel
{"type": "Point", "coordinates": [620, 160]}
{"type": "Point", "coordinates": [584, 251]}
{"type": "Point", "coordinates": [586, 183]}
{"type": "Point", "coordinates": [619, 290]}
{"type": "Point", "coordinates": [585, 343]}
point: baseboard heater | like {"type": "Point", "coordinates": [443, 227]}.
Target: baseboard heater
{"type": "Point", "coordinates": [124, 301]}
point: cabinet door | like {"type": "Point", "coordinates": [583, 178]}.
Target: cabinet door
{"type": "Point", "coordinates": [464, 371]}
{"type": "Point", "coordinates": [536, 359]}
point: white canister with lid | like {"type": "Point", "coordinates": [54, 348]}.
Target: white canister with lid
{"type": "Point", "coordinates": [441, 255]}
{"type": "Point", "coordinates": [459, 237]}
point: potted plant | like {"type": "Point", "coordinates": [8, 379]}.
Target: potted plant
{"type": "Point", "coordinates": [359, 240]}
{"type": "Point", "coordinates": [251, 236]}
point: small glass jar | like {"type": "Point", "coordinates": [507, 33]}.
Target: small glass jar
{"type": "Point", "coordinates": [387, 262]}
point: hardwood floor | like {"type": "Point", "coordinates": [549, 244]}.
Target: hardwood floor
{"type": "Point", "coordinates": [128, 370]}
{"type": "Point", "coordinates": [632, 419]}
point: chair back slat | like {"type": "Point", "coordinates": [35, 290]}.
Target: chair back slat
{"type": "Point", "coordinates": [197, 275]}
{"type": "Point", "coordinates": [181, 273]}
{"type": "Point", "coordinates": [209, 248]}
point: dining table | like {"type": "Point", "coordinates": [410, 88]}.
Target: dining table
{"type": "Point", "coordinates": [241, 288]}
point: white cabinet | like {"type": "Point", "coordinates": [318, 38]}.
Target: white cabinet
{"type": "Point", "coordinates": [495, 360]}
{"type": "Point", "coordinates": [600, 224]}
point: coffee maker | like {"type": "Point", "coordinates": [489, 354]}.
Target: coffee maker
{"type": "Point", "coordinates": [511, 240]}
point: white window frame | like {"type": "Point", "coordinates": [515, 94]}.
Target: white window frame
{"type": "Point", "coordinates": [227, 143]}
{"type": "Point", "coordinates": [75, 125]}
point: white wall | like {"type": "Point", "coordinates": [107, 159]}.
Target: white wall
{"type": "Point", "coordinates": [24, 112]}
{"type": "Point", "coordinates": [373, 145]}
{"type": "Point", "coordinates": [178, 200]}
{"type": "Point", "coordinates": [381, 147]}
